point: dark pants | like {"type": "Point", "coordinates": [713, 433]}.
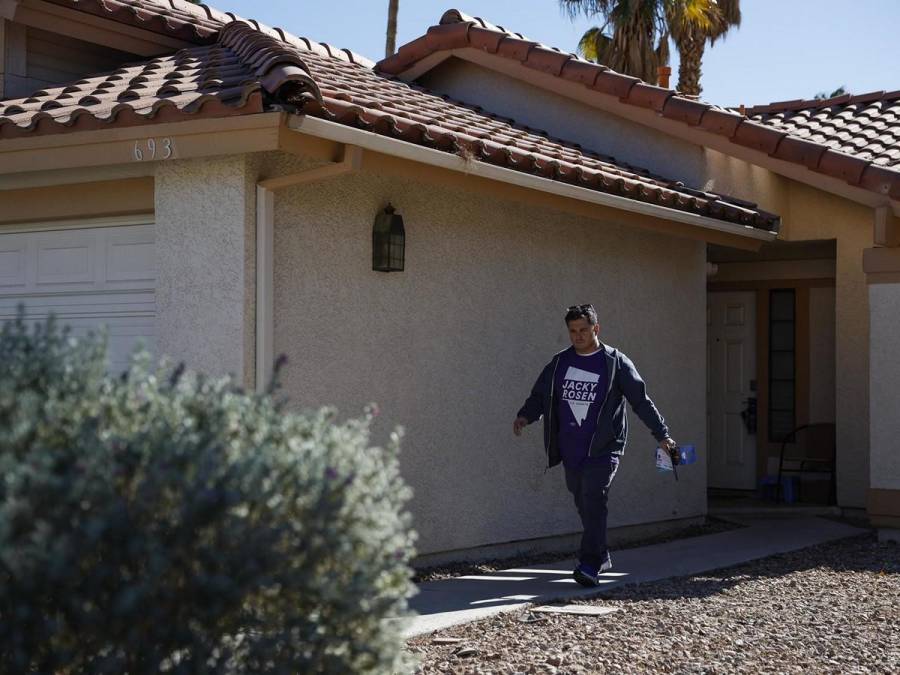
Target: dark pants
{"type": "Point", "coordinates": [590, 487]}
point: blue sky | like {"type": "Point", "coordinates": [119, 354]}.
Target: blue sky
{"type": "Point", "coordinates": [784, 49]}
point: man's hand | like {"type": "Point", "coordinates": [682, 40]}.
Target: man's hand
{"type": "Point", "coordinates": [518, 425]}
{"type": "Point", "coordinates": [667, 444]}
{"type": "Point", "coordinates": [670, 446]}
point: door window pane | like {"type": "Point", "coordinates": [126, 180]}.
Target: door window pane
{"type": "Point", "coordinates": [781, 396]}
{"type": "Point", "coordinates": [780, 425]}
{"type": "Point", "coordinates": [781, 307]}
{"type": "Point", "coordinates": [782, 363]}
{"type": "Point", "coordinates": [782, 336]}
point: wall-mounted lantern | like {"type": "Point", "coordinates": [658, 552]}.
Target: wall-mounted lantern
{"type": "Point", "coordinates": [388, 241]}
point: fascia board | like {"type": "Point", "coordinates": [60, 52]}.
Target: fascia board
{"type": "Point", "coordinates": [204, 137]}
{"type": "Point", "coordinates": [402, 149]}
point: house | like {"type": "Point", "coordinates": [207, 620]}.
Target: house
{"type": "Point", "coordinates": [214, 191]}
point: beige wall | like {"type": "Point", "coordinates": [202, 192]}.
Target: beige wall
{"type": "Point", "coordinates": [806, 213]}
{"type": "Point", "coordinates": [450, 347]}
{"type": "Point", "coordinates": [821, 354]}
{"type": "Point", "coordinates": [205, 251]}
{"type": "Point", "coordinates": [729, 175]}
{"type": "Point", "coordinates": [814, 214]}
{"type": "Point", "coordinates": [884, 387]}
{"type": "Point", "coordinates": [810, 214]}
{"type": "Point", "coordinates": [771, 270]}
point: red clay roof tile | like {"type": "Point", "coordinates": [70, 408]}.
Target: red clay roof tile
{"type": "Point", "coordinates": [580, 71]}
{"type": "Point", "coordinates": [546, 60]}
{"type": "Point", "coordinates": [484, 39]}
{"type": "Point", "coordinates": [649, 96]}
{"type": "Point", "coordinates": [515, 48]}
{"type": "Point", "coordinates": [842, 166]}
{"type": "Point", "coordinates": [720, 122]}
{"type": "Point", "coordinates": [684, 110]}
{"type": "Point", "coordinates": [857, 126]}
{"type": "Point", "coordinates": [799, 151]}
{"type": "Point", "coordinates": [829, 123]}
{"type": "Point", "coordinates": [447, 36]}
{"type": "Point", "coordinates": [758, 137]}
{"type": "Point", "coordinates": [248, 70]}
{"type": "Point", "coordinates": [613, 83]}
{"type": "Point", "coordinates": [176, 18]}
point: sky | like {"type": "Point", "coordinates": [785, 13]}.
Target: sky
{"type": "Point", "coordinates": [784, 49]}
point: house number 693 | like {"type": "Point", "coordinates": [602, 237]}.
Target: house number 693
{"type": "Point", "coordinates": [150, 148]}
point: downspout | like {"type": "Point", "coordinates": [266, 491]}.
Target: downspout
{"type": "Point", "coordinates": [265, 270]}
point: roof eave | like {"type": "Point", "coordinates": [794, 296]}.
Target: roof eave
{"type": "Point", "coordinates": [333, 131]}
{"type": "Point", "coordinates": [185, 136]}
{"type": "Point", "coordinates": [652, 118]}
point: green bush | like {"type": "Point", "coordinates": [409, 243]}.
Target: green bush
{"type": "Point", "coordinates": [165, 522]}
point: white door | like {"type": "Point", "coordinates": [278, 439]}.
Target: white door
{"type": "Point", "coordinates": [86, 277]}
{"type": "Point", "coordinates": [731, 354]}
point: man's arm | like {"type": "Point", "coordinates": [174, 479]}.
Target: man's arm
{"type": "Point", "coordinates": [635, 392]}
{"type": "Point", "coordinates": [533, 407]}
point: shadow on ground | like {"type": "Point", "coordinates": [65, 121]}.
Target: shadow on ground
{"type": "Point", "coordinates": [841, 556]}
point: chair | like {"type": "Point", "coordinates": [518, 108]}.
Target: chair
{"type": "Point", "coordinates": [812, 451]}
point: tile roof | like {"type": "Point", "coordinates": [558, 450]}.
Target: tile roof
{"type": "Point", "coordinates": [778, 138]}
{"type": "Point", "coordinates": [176, 18]}
{"type": "Point", "coordinates": [866, 126]}
{"type": "Point", "coordinates": [234, 76]}
{"type": "Point", "coordinates": [250, 70]}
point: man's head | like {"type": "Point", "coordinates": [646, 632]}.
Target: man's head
{"type": "Point", "coordinates": [584, 331]}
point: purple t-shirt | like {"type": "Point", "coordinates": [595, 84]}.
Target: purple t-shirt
{"type": "Point", "coordinates": [581, 383]}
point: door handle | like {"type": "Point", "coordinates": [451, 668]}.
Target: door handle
{"type": "Point", "coordinates": [748, 414]}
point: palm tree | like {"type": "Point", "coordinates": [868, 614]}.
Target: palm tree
{"type": "Point", "coordinates": [638, 42]}
{"type": "Point", "coordinates": [391, 42]}
{"type": "Point", "coordinates": [840, 91]}
{"type": "Point", "coordinates": [634, 38]}
{"type": "Point", "coordinates": [692, 24]}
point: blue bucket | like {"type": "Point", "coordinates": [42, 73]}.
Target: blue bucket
{"type": "Point", "coordinates": [686, 454]}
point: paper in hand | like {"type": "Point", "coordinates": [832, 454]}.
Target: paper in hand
{"type": "Point", "coordinates": [663, 460]}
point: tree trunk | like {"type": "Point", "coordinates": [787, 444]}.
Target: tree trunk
{"type": "Point", "coordinates": [391, 42]}
{"type": "Point", "coordinates": [691, 59]}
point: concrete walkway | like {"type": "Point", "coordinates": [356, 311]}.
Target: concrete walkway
{"type": "Point", "coordinates": [449, 602]}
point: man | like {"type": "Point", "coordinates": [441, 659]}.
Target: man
{"type": "Point", "coordinates": [581, 396]}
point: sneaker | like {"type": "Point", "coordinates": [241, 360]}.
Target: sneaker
{"type": "Point", "coordinates": [588, 575]}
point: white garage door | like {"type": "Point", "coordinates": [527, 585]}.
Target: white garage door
{"type": "Point", "coordinates": [87, 277]}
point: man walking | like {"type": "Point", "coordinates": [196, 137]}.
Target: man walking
{"type": "Point", "coordinates": [581, 396]}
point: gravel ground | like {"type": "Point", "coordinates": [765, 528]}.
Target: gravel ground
{"type": "Point", "coordinates": [833, 608]}
{"type": "Point", "coordinates": [711, 526]}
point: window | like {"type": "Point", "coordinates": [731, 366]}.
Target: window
{"type": "Point", "coordinates": [782, 363]}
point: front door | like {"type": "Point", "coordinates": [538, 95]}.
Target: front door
{"type": "Point", "coordinates": [731, 366]}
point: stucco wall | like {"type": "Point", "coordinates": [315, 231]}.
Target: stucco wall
{"type": "Point", "coordinates": [732, 176]}
{"type": "Point", "coordinates": [813, 214]}
{"type": "Point", "coordinates": [821, 354]}
{"type": "Point", "coordinates": [205, 255]}
{"type": "Point", "coordinates": [450, 347]}
{"type": "Point", "coordinates": [807, 214]}
{"type": "Point", "coordinates": [884, 302]}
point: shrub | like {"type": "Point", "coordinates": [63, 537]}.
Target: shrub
{"type": "Point", "coordinates": [166, 522]}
